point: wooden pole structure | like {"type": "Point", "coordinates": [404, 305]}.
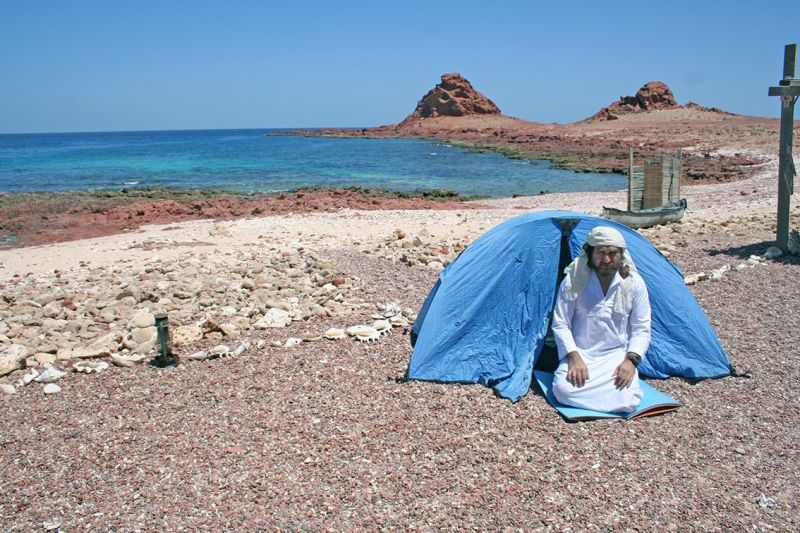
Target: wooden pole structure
{"type": "Point", "coordinates": [788, 90]}
{"type": "Point", "coordinates": [630, 177]}
{"type": "Point", "coordinates": [680, 174]}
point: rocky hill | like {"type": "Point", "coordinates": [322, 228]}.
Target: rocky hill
{"type": "Point", "coordinates": [654, 95]}
{"type": "Point", "coordinates": [453, 97]}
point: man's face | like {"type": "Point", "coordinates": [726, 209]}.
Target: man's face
{"type": "Point", "coordinates": [606, 260]}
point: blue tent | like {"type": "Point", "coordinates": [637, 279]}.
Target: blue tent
{"type": "Point", "coordinates": [486, 319]}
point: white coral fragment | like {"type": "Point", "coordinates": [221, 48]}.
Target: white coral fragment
{"type": "Point", "coordinates": [363, 333]}
{"type": "Point", "coordinates": [87, 367]}
{"type": "Point", "coordinates": [49, 375]}
{"type": "Point", "coordinates": [128, 361]}
{"type": "Point", "coordinates": [398, 321]}
{"type": "Point", "coordinates": [27, 378]}
{"type": "Point", "coordinates": [773, 252]}
{"type": "Point", "coordinates": [356, 330]}
{"type": "Point", "coordinates": [691, 279]}
{"type": "Point", "coordinates": [334, 334]}
{"type": "Point", "coordinates": [367, 338]}
{"type": "Point", "coordinates": [719, 272]}
{"type": "Point", "coordinates": [198, 356]}
{"type": "Point", "coordinates": [220, 351]}
{"type": "Point", "coordinates": [382, 326]}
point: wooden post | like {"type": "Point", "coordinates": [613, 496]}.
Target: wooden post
{"type": "Point", "coordinates": [785, 175]}
{"type": "Point", "coordinates": [670, 189]}
{"type": "Point", "coordinates": [680, 175]}
{"type": "Point", "coordinates": [788, 90]}
{"type": "Point", "coordinates": [630, 178]}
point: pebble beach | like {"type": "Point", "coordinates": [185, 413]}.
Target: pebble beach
{"type": "Point", "coordinates": [272, 423]}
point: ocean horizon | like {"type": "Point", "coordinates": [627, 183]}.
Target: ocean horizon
{"type": "Point", "coordinates": [249, 161]}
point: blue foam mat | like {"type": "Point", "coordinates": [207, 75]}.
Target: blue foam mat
{"type": "Point", "coordinates": [653, 402]}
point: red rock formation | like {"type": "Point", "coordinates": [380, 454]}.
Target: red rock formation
{"type": "Point", "coordinates": [654, 95]}
{"type": "Point", "coordinates": [454, 97]}
{"type": "Point", "coordinates": [698, 107]}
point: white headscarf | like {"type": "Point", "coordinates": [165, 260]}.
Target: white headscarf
{"type": "Point", "coordinates": [579, 273]}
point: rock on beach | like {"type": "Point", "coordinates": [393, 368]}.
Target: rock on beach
{"type": "Point", "coordinates": [98, 311]}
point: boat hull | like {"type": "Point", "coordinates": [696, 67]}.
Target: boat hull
{"type": "Point", "coordinates": [646, 218]}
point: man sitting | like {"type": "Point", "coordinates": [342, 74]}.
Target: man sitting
{"type": "Point", "coordinates": [601, 325]}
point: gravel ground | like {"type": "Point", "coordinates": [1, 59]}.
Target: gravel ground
{"type": "Point", "coordinates": [320, 437]}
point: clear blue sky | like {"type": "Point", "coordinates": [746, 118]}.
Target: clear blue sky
{"type": "Point", "coordinates": [76, 65]}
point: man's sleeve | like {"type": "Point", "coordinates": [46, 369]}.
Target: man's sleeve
{"type": "Point", "coordinates": [562, 324]}
{"type": "Point", "coordinates": [640, 318]}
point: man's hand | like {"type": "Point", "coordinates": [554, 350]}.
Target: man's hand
{"type": "Point", "coordinates": [577, 373]}
{"type": "Point", "coordinates": [624, 374]}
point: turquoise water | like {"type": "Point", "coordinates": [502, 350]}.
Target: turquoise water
{"type": "Point", "coordinates": [248, 161]}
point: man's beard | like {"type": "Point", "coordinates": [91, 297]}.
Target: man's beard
{"type": "Point", "coordinates": [604, 272]}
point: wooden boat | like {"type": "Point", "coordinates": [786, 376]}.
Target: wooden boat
{"type": "Point", "coordinates": [654, 192]}
{"type": "Point", "coordinates": [644, 218]}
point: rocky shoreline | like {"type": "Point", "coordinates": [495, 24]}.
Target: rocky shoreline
{"type": "Point", "coordinates": [31, 219]}
{"type": "Point", "coordinates": [575, 153]}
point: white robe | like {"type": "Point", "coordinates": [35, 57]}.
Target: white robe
{"type": "Point", "coordinates": [589, 326]}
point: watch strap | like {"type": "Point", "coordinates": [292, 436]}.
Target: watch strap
{"type": "Point", "coordinates": [635, 359]}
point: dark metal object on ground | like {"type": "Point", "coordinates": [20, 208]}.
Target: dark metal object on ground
{"type": "Point", "coordinates": [165, 359]}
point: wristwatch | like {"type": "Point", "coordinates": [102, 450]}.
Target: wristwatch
{"type": "Point", "coordinates": [635, 359]}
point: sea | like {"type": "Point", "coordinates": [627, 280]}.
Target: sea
{"type": "Point", "coordinates": [249, 161]}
